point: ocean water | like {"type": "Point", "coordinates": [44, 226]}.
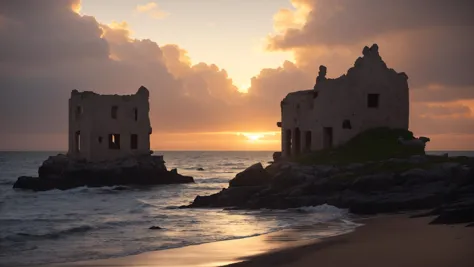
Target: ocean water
{"type": "Point", "coordinates": [95, 223]}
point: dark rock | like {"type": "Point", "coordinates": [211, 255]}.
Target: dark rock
{"type": "Point", "coordinates": [120, 188]}
{"type": "Point", "coordinates": [418, 159]}
{"type": "Point", "coordinates": [60, 172]}
{"type": "Point", "coordinates": [155, 228]}
{"type": "Point", "coordinates": [374, 182]}
{"type": "Point", "coordinates": [418, 176]}
{"type": "Point", "coordinates": [276, 156]}
{"type": "Point", "coordinates": [445, 188]}
{"type": "Point", "coordinates": [458, 212]}
{"type": "Point", "coordinates": [237, 196]}
{"type": "Point", "coordinates": [270, 202]}
{"type": "Point", "coordinates": [276, 167]}
{"type": "Point", "coordinates": [254, 175]}
{"type": "Point", "coordinates": [327, 186]}
{"type": "Point", "coordinates": [231, 197]}
{"type": "Point", "coordinates": [287, 179]}
{"type": "Point", "coordinates": [200, 169]}
{"type": "Point", "coordinates": [204, 201]}
{"type": "Point", "coordinates": [432, 212]}
{"type": "Point", "coordinates": [385, 203]}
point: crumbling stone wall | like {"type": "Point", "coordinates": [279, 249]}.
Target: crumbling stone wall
{"type": "Point", "coordinates": [370, 95]}
{"type": "Point", "coordinates": [108, 127]}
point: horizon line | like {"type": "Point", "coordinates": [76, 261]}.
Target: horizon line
{"type": "Point", "coordinates": [204, 150]}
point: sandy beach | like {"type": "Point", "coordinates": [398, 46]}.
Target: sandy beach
{"type": "Point", "coordinates": [392, 240]}
{"type": "Point", "coordinates": [212, 254]}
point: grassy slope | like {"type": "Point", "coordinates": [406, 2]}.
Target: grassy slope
{"type": "Point", "coordinates": [371, 145]}
{"type": "Point", "coordinates": [375, 145]}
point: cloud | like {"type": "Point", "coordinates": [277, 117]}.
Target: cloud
{"type": "Point", "coordinates": [49, 52]}
{"type": "Point", "coordinates": [429, 40]}
{"type": "Point", "coordinates": [152, 10]}
{"type": "Point", "coordinates": [344, 22]}
{"type": "Point", "coordinates": [291, 19]}
{"type": "Point", "coordinates": [450, 110]}
{"type": "Point", "coordinates": [54, 50]}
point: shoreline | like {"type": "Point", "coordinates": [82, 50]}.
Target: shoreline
{"type": "Point", "coordinates": [221, 253]}
{"type": "Point", "coordinates": [383, 240]}
{"type": "Point", "coordinates": [392, 240]}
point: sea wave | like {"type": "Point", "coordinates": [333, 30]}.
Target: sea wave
{"type": "Point", "coordinates": [212, 180]}
{"type": "Point", "coordinates": [91, 223]}
{"type": "Point", "coordinates": [60, 233]}
{"type": "Point", "coordinates": [324, 208]}
{"type": "Point", "coordinates": [22, 236]}
{"type": "Point", "coordinates": [7, 182]}
{"type": "Point", "coordinates": [228, 164]}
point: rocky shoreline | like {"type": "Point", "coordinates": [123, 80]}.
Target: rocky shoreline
{"type": "Point", "coordinates": [61, 172]}
{"type": "Point", "coordinates": [418, 182]}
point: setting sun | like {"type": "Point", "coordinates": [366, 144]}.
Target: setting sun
{"type": "Point", "coordinates": [257, 137]}
{"type": "Point", "coordinates": [244, 88]}
{"type": "Point", "coordinates": [253, 137]}
{"type": "Point", "coordinates": [236, 133]}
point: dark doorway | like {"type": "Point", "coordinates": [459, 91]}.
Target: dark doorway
{"type": "Point", "coordinates": [78, 112]}
{"type": "Point", "coordinates": [307, 147]}
{"type": "Point", "coordinates": [77, 141]}
{"type": "Point", "coordinates": [113, 112]}
{"type": "Point", "coordinates": [327, 137]}
{"type": "Point", "coordinates": [297, 141]}
{"type": "Point", "coordinates": [346, 124]}
{"type": "Point", "coordinates": [373, 100]}
{"type": "Point", "coordinates": [288, 142]}
{"type": "Point", "coordinates": [134, 141]}
{"type": "Point", "coordinates": [114, 141]}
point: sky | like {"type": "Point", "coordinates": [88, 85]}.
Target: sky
{"type": "Point", "coordinates": [218, 69]}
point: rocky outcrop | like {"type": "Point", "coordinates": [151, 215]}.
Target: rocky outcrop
{"type": "Point", "coordinates": [61, 172]}
{"type": "Point", "coordinates": [276, 156]}
{"type": "Point", "coordinates": [253, 176]}
{"type": "Point", "coordinates": [419, 182]}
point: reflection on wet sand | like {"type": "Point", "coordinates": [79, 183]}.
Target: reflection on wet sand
{"type": "Point", "coordinates": [220, 253]}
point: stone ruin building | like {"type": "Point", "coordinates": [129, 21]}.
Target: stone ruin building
{"type": "Point", "coordinates": [370, 95]}
{"type": "Point", "coordinates": [108, 127]}
{"type": "Point", "coordinates": [109, 144]}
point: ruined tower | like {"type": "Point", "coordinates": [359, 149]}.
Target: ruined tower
{"type": "Point", "coordinates": [108, 127]}
{"type": "Point", "coordinates": [370, 95]}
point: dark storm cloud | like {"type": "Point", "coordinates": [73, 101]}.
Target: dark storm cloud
{"type": "Point", "coordinates": [51, 50]}
{"type": "Point", "coordinates": [429, 40]}
{"type": "Point", "coordinates": [345, 22]}
{"type": "Point", "coordinates": [47, 50]}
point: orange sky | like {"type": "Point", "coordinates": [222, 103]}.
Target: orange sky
{"type": "Point", "coordinates": [197, 58]}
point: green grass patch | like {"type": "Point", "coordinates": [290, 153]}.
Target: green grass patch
{"type": "Point", "coordinates": [372, 145]}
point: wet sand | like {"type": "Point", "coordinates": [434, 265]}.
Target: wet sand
{"type": "Point", "coordinates": [204, 255]}
{"type": "Point", "coordinates": [389, 241]}
{"type": "Point", "coordinates": [393, 240]}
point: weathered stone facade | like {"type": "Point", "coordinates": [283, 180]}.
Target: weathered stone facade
{"type": "Point", "coordinates": [108, 127]}
{"type": "Point", "coordinates": [370, 95]}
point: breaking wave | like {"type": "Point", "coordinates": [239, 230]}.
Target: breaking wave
{"type": "Point", "coordinates": [90, 223]}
